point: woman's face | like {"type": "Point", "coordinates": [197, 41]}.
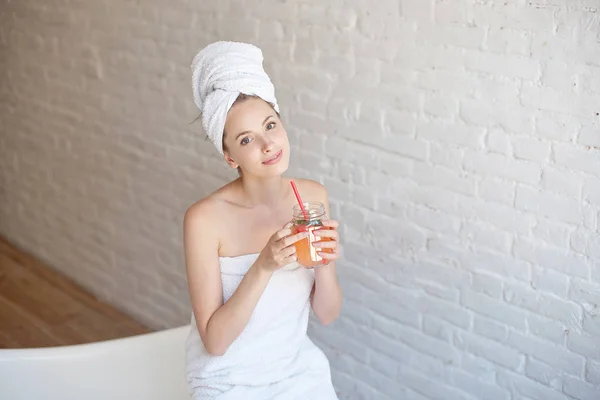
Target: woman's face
{"type": "Point", "coordinates": [255, 139]}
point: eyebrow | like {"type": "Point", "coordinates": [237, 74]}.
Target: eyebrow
{"type": "Point", "coordinates": [248, 131]}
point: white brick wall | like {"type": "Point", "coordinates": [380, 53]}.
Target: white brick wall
{"type": "Point", "coordinates": [459, 140]}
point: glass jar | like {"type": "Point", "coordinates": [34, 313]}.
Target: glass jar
{"type": "Point", "coordinates": [307, 254]}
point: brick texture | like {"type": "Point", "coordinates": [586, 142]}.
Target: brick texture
{"type": "Point", "coordinates": [459, 139]}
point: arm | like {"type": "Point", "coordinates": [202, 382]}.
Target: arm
{"type": "Point", "coordinates": [326, 297]}
{"type": "Point", "coordinates": [218, 324]}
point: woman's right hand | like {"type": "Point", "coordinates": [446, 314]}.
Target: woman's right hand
{"type": "Point", "coordinates": [280, 249]}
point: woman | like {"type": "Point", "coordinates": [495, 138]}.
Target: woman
{"type": "Point", "coordinates": [250, 297]}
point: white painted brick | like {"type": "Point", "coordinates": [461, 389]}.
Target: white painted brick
{"type": "Point", "coordinates": [384, 365]}
{"type": "Point", "coordinates": [593, 251]}
{"type": "Point", "coordinates": [550, 281]}
{"type": "Point", "coordinates": [395, 165]}
{"type": "Point", "coordinates": [498, 141]}
{"type": "Point", "coordinates": [592, 372]}
{"type": "Point", "coordinates": [579, 240]}
{"type": "Point", "coordinates": [527, 387]}
{"type": "Point", "coordinates": [541, 303]}
{"type": "Point", "coordinates": [440, 106]}
{"type": "Point", "coordinates": [545, 98]}
{"type": "Point", "coordinates": [430, 388]}
{"type": "Point", "coordinates": [450, 78]}
{"type": "Point", "coordinates": [456, 181]}
{"type": "Point", "coordinates": [584, 292]}
{"type": "Point", "coordinates": [400, 122]}
{"type": "Point", "coordinates": [563, 182]}
{"type": "Point", "coordinates": [489, 350]}
{"type": "Point", "coordinates": [404, 146]}
{"type": "Point", "coordinates": [544, 374]}
{"type": "Point", "coordinates": [581, 390]}
{"type": "Point", "coordinates": [590, 136]}
{"type": "Point", "coordinates": [591, 190]}
{"type": "Point", "coordinates": [550, 329]}
{"type": "Point", "coordinates": [487, 284]}
{"type": "Point", "coordinates": [498, 264]}
{"type": "Point", "coordinates": [451, 11]}
{"type": "Point", "coordinates": [501, 40]}
{"type": "Point", "coordinates": [463, 136]}
{"type": "Point", "coordinates": [490, 329]}
{"type": "Point", "coordinates": [484, 236]}
{"type": "Point", "coordinates": [503, 167]}
{"type": "Point", "coordinates": [559, 74]}
{"type": "Point", "coordinates": [591, 320]}
{"type": "Point", "coordinates": [441, 291]}
{"type": "Point", "coordinates": [503, 65]}
{"type": "Point", "coordinates": [477, 388]}
{"type": "Point", "coordinates": [433, 220]}
{"type": "Point", "coordinates": [480, 367]}
{"type": "Point", "coordinates": [584, 344]}
{"type": "Point", "coordinates": [437, 328]}
{"type": "Point", "coordinates": [444, 156]}
{"type": "Point", "coordinates": [531, 149]}
{"type": "Point", "coordinates": [552, 257]}
{"type": "Point", "coordinates": [422, 343]}
{"type": "Point", "coordinates": [549, 205]}
{"type": "Point", "coordinates": [554, 233]}
{"type": "Point", "coordinates": [558, 127]}
{"type": "Point", "coordinates": [427, 365]}
{"type": "Point", "coordinates": [469, 37]}
{"type": "Point", "coordinates": [586, 160]}
{"type": "Point", "coordinates": [420, 12]}
{"type": "Point", "coordinates": [435, 198]}
{"type": "Point", "coordinates": [392, 312]}
{"type": "Point", "coordinates": [444, 310]}
{"type": "Point", "coordinates": [589, 79]}
{"type": "Point", "coordinates": [476, 112]}
{"type": "Point", "coordinates": [511, 16]}
{"type": "Point", "coordinates": [495, 309]}
{"type": "Point", "coordinates": [497, 190]}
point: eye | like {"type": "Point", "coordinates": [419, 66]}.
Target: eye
{"type": "Point", "coordinates": [245, 141]}
{"type": "Point", "coordinates": [271, 125]}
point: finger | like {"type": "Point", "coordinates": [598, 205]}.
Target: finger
{"type": "Point", "coordinates": [326, 233]}
{"type": "Point", "coordinates": [329, 256]}
{"type": "Point", "coordinates": [282, 233]}
{"type": "Point", "coordinates": [331, 223]}
{"type": "Point", "coordinates": [287, 241]}
{"type": "Point", "coordinates": [325, 245]}
{"type": "Point", "coordinates": [288, 252]}
{"type": "Point", "coordinates": [288, 225]}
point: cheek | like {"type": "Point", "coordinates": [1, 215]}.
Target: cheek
{"type": "Point", "coordinates": [281, 135]}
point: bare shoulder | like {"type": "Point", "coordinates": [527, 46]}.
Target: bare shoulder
{"type": "Point", "coordinates": [201, 211]}
{"type": "Point", "coordinates": [203, 218]}
{"type": "Point", "coordinates": [208, 207]}
{"type": "Point", "coordinates": [312, 190]}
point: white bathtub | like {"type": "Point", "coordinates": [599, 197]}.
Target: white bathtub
{"type": "Point", "coordinates": [148, 367]}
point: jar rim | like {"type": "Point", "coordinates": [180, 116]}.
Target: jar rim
{"type": "Point", "coordinates": [315, 209]}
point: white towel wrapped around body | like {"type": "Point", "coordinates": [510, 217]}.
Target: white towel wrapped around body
{"type": "Point", "coordinates": [220, 72]}
{"type": "Point", "coordinates": [273, 358]}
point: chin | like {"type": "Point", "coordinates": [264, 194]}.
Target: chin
{"type": "Point", "coordinates": [277, 169]}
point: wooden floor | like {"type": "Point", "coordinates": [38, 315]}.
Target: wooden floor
{"type": "Point", "coordinates": [40, 308]}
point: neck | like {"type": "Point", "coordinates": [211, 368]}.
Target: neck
{"type": "Point", "coordinates": [264, 191]}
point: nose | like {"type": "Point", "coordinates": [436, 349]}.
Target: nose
{"type": "Point", "coordinates": [268, 145]}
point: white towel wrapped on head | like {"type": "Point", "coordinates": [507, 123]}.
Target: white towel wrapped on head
{"type": "Point", "coordinates": [220, 72]}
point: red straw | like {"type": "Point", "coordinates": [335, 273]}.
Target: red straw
{"type": "Point", "coordinates": [299, 199]}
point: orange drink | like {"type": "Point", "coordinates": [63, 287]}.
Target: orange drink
{"type": "Point", "coordinates": [310, 222]}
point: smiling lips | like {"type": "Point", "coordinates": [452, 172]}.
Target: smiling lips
{"type": "Point", "coordinates": [275, 159]}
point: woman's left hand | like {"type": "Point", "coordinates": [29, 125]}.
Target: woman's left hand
{"type": "Point", "coordinates": [328, 241]}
